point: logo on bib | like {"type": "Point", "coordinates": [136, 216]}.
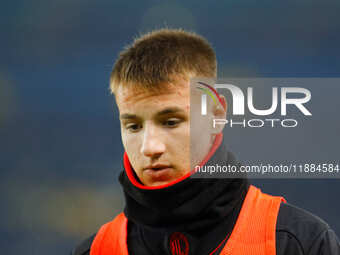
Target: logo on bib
{"type": "Point", "coordinates": [179, 244]}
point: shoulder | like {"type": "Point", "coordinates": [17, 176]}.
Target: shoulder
{"type": "Point", "coordinates": [83, 248]}
{"type": "Point", "coordinates": [299, 221]}
{"type": "Point", "coordinates": [301, 232]}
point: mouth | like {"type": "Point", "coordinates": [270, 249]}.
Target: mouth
{"type": "Point", "coordinates": [157, 167]}
{"type": "Point", "coordinates": [159, 172]}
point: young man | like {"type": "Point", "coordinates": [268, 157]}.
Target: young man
{"type": "Point", "coordinates": [166, 211]}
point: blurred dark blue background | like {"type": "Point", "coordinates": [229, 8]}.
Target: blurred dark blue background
{"type": "Point", "coordinates": [60, 148]}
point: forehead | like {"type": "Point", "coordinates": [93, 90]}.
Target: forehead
{"type": "Point", "coordinates": [127, 97]}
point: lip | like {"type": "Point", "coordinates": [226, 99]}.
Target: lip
{"type": "Point", "coordinates": [159, 172]}
{"type": "Point", "coordinates": [157, 167]}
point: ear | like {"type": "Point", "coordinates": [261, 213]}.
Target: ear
{"type": "Point", "coordinates": [220, 112]}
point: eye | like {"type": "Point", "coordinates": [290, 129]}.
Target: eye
{"type": "Point", "coordinates": [133, 127]}
{"type": "Point", "coordinates": [173, 122]}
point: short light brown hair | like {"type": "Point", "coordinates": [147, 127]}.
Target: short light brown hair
{"type": "Point", "coordinates": [162, 56]}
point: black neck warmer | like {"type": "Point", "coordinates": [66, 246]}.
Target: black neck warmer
{"type": "Point", "coordinates": [192, 205]}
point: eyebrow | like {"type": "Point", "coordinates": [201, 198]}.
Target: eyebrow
{"type": "Point", "coordinates": [169, 110]}
{"type": "Point", "coordinates": [128, 116]}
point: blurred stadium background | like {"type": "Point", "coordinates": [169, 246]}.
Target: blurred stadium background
{"type": "Point", "coordinates": [60, 149]}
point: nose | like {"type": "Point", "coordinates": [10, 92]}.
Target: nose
{"type": "Point", "coordinates": [152, 145]}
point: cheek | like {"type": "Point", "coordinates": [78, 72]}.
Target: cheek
{"type": "Point", "coordinates": [180, 141]}
{"type": "Point", "coordinates": [124, 138]}
{"type": "Point", "coordinates": [131, 145]}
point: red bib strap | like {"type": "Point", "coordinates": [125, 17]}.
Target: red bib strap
{"type": "Point", "coordinates": [255, 229]}
{"type": "Point", "coordinates": [111, 238]}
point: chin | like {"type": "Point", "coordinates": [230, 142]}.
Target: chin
{"type": "Point", "coordinates": [158, 183]}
